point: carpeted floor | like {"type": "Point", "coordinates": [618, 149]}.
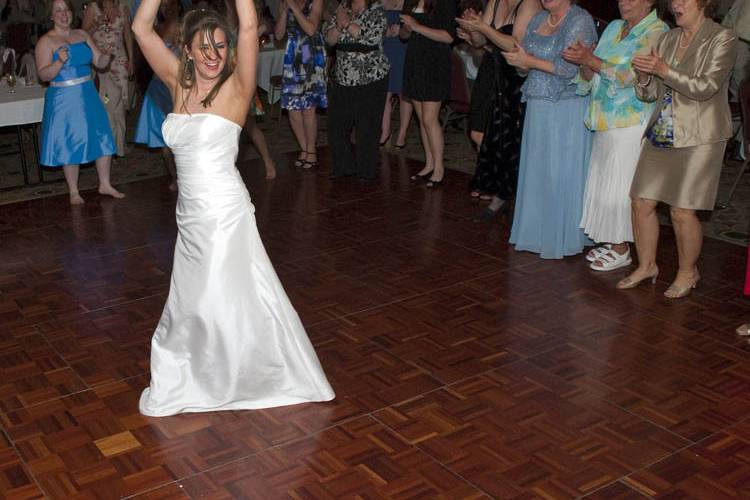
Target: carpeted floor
{"type": "Point", "coordinates": [731, 225]}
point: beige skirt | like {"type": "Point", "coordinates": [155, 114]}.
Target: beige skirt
{"type": "Point", "coordinates": [680, 177]}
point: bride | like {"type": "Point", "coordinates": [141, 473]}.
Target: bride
{"type": "Point", "coordinates": [228, 338]}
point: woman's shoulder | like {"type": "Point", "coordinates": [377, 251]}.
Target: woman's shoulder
{"type": "Point", "coordinates": [577, 12]}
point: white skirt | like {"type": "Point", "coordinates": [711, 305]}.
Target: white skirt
{"type": "Point", "coordinates": [606, 201]}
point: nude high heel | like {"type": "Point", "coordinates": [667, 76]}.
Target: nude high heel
{"type": "Point", "coordinates": [679, 292]}
{"type": "Point", "coordinates": [627, 283]}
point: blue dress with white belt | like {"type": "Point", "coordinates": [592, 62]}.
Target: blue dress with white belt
{"type": "Point", "coordinates": [75, 127]}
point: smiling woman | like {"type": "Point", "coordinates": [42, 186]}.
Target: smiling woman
{"type": "Point", "coordinates": [228, 338]}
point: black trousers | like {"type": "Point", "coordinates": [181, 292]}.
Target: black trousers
{"type": "Point", "coordinates": [359, 107]}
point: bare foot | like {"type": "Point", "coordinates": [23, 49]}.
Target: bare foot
{"type": "Point", "coordinates": [270, 170]}
{"type": "Point", "coordinates": [110, 191]}
{"type": "Point", "coordinates": [173, 186]}
{"type": "Point", "coordinates": [75, 199]}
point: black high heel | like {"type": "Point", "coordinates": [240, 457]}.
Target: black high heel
{"type": "Point", "coordinates": [399, 146]}
{"type": "Point", "coordinates": [422, 177]}
{"type": "Point", "coordinates": [434, 184]}
{"type": "Point", "coordinates": [299, 161]}
{"type": "Point", "coordinates": [387, 139]}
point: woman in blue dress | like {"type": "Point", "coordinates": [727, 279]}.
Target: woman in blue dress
{"type": "Point", "coordinates": [157, 101]}
{"type": "Point", "coordinates": [75, 127]}
{"type": "Point", "coordinates": [303, 87]}
{"type": "Point", "coordinates": [556, 145]}
{"type": "Point", "coordinates": [395, 51]}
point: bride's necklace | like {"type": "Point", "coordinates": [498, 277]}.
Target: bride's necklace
{"type": "Point", "coordinates": [555, 25]}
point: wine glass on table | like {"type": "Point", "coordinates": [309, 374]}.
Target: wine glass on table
{"type": "Point", "coordinates": [11, 79]}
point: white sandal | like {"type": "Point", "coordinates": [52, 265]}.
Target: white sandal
{"type": "Point", "coordinates": [611, 260]}
{"type": "Point", "coordinates": [597, 252]}
{"type": "Point", "coordinates": [744, 330]}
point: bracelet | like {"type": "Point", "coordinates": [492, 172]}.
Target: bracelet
{"type": "Point", "coordinates": [648, 82]}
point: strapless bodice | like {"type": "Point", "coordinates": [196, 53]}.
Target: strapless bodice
{"type": "Point", "coordinates": [205, 147]}
{"type": "Point", "coordinates": [78, 64]}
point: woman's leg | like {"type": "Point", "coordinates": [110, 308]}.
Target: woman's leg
{"type": "Point", "coordinates": [430, 113]}
{"type": "Point", "coordinates": [340, 122]}
{"type": "Point", "coordinates": [367, 122]}
{"type": "Point", "coordinates": [385, 127]}
{"type": "Point", "coordinates": [689, 235]}
{"type": "Point", "coordinates": [310, 121]}
{"type": "Point", "coordinates": [405, 109]}
{"type": "Point", "coordinates": [428, 160]}
{"type": "Point", "coordinates": [298, 128]}
{"type": "Point", "coordinates": [103, 166]}
{"type": "Point", "coordinates": [259, 141]}
{"type": "Point", "coordinates": [168, 158]}
{"type": "Point", "coordinates": [71, 178]}
{"type": "Point", "coordinates": [646, 236]}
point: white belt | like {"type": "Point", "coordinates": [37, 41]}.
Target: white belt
{"type": "Point", "coordinates": [70, 83]}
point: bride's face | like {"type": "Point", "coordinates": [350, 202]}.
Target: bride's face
{"type": "Point", "coordinates": [209, 56]}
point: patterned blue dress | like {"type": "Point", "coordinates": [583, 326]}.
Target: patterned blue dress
{"type": "Point", "coordinates": [555, 146]}
{"type": "Point", "coordinates": [75, 127]}
{"type": "Point", "coordinates": [304, 77]}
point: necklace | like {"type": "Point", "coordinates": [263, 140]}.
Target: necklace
{"type": "Point", "coordinates": [682, 36]}
{"type": "Point", "coordinates": [555, 25]}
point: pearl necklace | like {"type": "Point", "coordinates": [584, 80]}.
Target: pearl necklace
{"type": "Point", "coordinates": [555, 25]}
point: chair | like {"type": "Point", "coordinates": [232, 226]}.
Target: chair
{"type": "Point", "coordinates": [276, 81]}
{"type": "Point", "coordinates": [745, 124]}
{"type": "Point", "coordinates": [457, 106]}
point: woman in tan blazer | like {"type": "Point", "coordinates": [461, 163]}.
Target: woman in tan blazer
{"type": "Point", "coordinates": [687, 74]}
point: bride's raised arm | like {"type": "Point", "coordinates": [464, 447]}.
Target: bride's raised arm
{"type": "Point", "coordinates": [247, 48]}
{"type": "Point", "coordinates": [164, 63]}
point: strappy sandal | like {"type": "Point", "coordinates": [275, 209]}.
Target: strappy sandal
{"type": "Point", "coordinates": [611, 260]}
{"type": "Point", "coordinates": [595, 253]}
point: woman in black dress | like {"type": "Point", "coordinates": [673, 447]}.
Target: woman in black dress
{"type": "Point", "coordinates": [429, 27]}
{"type": "Point", "coordinates": [496, 174]}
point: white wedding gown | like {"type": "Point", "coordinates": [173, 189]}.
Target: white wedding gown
{"type": "Point", "coordinates": [228, 339]}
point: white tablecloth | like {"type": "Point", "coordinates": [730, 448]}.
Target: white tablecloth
{"type": "Point", "coordinates": [270, 63]}
{"type": "Point", "coordinates": [26, 105]}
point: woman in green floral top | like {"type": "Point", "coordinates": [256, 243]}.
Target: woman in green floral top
{"type": "Point", "coordinates": [618, 119]}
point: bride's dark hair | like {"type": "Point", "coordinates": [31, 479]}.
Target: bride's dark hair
{"type": "Point", "coordinates": [204, 22]}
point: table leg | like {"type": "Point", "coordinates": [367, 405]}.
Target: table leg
{"type": "Point", "coordinates": [35, 138]}
{"type": "Point", "coordinates": [23, 155]}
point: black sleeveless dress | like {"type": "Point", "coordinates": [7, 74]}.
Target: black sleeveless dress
{"type": "Point", "coordinates": [497, 162]}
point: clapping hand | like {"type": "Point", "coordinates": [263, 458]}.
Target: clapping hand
{"type": "Point", "coordinates": [471, 21]}
{"type": "Point", "coordinates": [579, 53]}
{"type": "Point", "coordinates": [650, 64]}
{"type": "Point", "coordinates": [517, 57]}
{"type": "Point", "coordinates": [409, 22]}
{"type": "Point", "coordinates": [342, 16]}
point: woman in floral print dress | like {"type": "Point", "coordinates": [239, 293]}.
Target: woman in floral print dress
{"type": "Point", "coordinates": [108, 22]}
{"type": "Point", "coordinates": [303, 88]}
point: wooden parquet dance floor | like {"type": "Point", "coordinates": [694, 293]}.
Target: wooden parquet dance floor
{"type": "Point", "coordinates": [463, 369]}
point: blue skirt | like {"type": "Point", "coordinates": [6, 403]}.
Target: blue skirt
{"type": "Point", "coordinates": [75, 127]}
{"type": "Point", "coordinates": [555, 152]}
{"type": "Point", "coordinates": [157, 103]}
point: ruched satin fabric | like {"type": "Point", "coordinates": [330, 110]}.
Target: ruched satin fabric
{"type": "Point", "coordinates": [228, 338]}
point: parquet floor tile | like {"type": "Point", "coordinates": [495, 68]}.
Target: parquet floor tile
{"type": "Point", "coordinates": [462, 368]}
{"type": "Point", "coordinates": [507, 433]}
{"type": "Point", "coordinates": [717, 467]}
{"type": "Point", "coordinates": [358, 459]}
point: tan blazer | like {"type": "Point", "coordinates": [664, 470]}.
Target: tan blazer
{"type": "Point", "coordinates": [700, 103]}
